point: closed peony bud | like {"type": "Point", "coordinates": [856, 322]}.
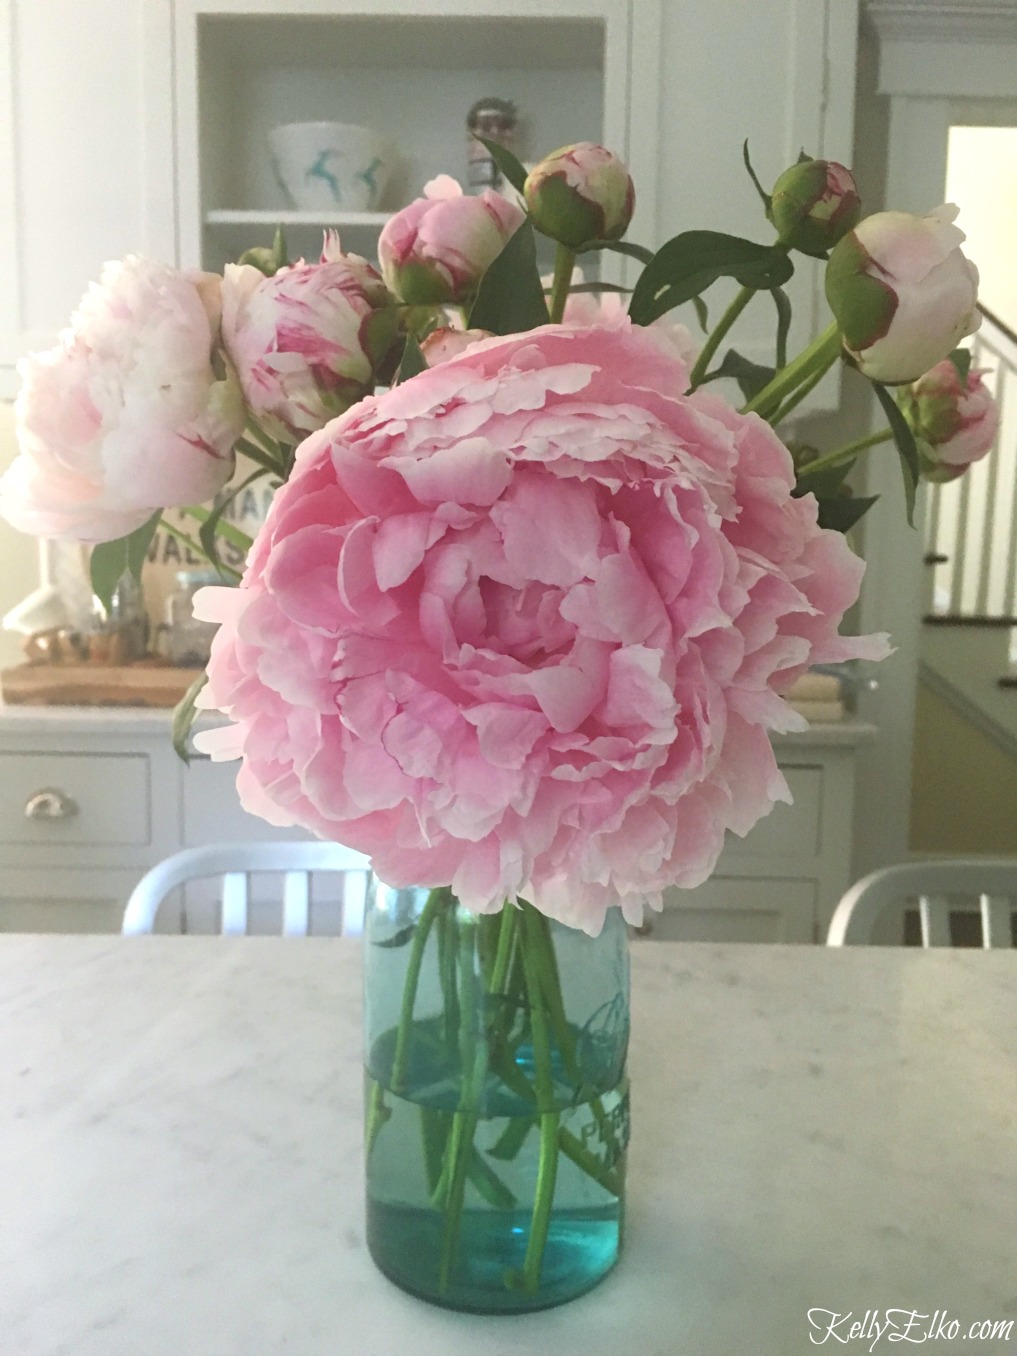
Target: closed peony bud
{"type": "Point", "coordinates": [131, 411]}
{"type": "Point", "coordinates": [814, 203]}
{"type": "Point", "coordinates": [435, 251]}
{"type": "Point", "coordinates": [580, 193]}
{"type": "Point", "coordinates": [953, 415]}
{"type": "Point", "coordinates": [307, 342]}
{"type": "Point", "coordinates": [902, 292]}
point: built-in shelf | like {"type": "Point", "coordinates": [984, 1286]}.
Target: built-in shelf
{"type": "Point", "coordinates": [289, 217]}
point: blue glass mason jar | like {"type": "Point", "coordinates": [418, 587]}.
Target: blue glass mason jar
{"type": "Point", "coordinates": [496, 1100]}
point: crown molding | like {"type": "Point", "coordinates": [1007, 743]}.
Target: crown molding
{"type": "Point", "coordinates": [966, 21]}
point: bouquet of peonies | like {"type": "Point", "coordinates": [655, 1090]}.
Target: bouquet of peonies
{"type": "Point", "coordinates": [520, 623]}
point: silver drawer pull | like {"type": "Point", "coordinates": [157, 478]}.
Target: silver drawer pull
{"type": "Point", "coordinates": [642, 929]}
{"type": "Point", "coordinates": [50, 804]}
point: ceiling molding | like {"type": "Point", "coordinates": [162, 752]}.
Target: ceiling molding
{"type": "Point", "coordinates": [968, 21]}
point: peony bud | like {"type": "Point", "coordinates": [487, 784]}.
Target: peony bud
{"type": "Point", "coordinates": [435, 251]}
{"type": "Point", "coordinates": [308, 342]}
{"type": "Point", "coordinates": [902, 292]}
{"type": "Point", "coordinates": [814, 204]}
{"type": "Point", "coordinates": [953, 415]}
{"type": "Point", "coordinates": [580, 193]}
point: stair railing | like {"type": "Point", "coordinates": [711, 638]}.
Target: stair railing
{"type": "Point", "coordinates": [971, 523]}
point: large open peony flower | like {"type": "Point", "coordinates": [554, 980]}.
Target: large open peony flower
{"type": "Point", "coordinates": [126, 414]}
{"type": "Point", "coordinates": [520, 626]}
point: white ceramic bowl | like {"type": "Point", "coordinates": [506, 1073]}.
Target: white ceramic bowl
{"type": "Point", "coordinates": [332, 164]}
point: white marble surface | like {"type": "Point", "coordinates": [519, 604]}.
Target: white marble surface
{"type": "Point", "coordinates": [180, 1154]}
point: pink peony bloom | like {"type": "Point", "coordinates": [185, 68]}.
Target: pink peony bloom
{"type": "Point", "coordinates": [903, 293]}
{"type": "Point", "coordinates": [954, 420]}
{"type": "Point", "coordinates": [125, 415]}
{"type": "Point", "coordinates": [606, 308]}
{"type": "Point", "coordinates": [308, 341]}
{"type": "Point", "coordinates": [580, 192]}
{"type": "Point", "coordinates": [521, 625]}
{"type": "Point", "coordinates": [435, 251]}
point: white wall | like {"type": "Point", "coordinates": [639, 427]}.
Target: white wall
{"type": "Point", "coordinates": [19, 555]}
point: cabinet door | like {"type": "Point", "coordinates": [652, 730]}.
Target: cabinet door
{"type": "Point", "coordinates": [86, 155]}
{"type": "Point", "coordinates": [67, 900]}
{"type": "Point", "coordinates": [726, 909]}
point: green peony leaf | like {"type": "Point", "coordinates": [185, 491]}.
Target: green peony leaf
{"type": "Point", "coordinates": [961, 359]}
{"type": "Point", "coordinates": [184, 715]}
{"type": "Point", "coordinates": [111, 560]}
{"type": "Point", "coordinates": [627, 247]}
{"type": "Point", "coordinates": [906, 447]}
{"type": "Point", "coordinates": [841, 512]}
{"type": "Point", "coordinates": [512, 169]}
{"type": "Point", "coordinates": [510, 299]}
{"type": "Point", "coordinates": [412, 362]}
{"type": "Point", "coordinates": [689, 263]}
{"type": "Point", "coordinates": [754, 176]}
{"type": "Point", "coordinates": [751, 377]}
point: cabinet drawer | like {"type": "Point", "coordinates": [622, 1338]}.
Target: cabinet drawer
{"type": "Point", "coordinates": [788, 830]}
{"type": "Point", "coordinates": [99, 799]}
{"type": "Point", "coordinates": [212, 812]}
{"type": "Point", "coordinates": [728, 909]}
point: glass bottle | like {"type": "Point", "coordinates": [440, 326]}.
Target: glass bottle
{"type": "Point", "coordinates": [189, 641]}
{"type": "Point", "coordinates": [497, 120]}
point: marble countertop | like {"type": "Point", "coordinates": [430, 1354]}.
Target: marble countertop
{"type": "Point", "coordinates": [812, 1129]}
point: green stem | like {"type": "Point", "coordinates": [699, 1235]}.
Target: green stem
{"type": "Point", "coordinates": [254, 433]}
{"type": "Point", "coordinates": [820, 355]}
{"type": "Point", "coordinates": [550, 1118]}
{"type": "Point", "coordinates": [196, 547]}
{"type": "Point", "coordinates": [473, 1052]}
{"type": "Point", "coordinates": [548, 965]}
{"type": "Point", "coordinates": [453, 1186]}
{"type": "Point", "coordinates": [435, 900]}
{"type": "Point", "coordinates": [232, 534]}
{"type": "Point", "coordinates": [254, 452]}
{"type": "Point", "coordinates": [564, 263]}
{"type": "Point", "coordinates": [798, 396]}
{"type": "Point", "coordinates": [713, 340]}
{"type": "Point", "coordinates": [506, 936]}
{"type": "Point", "coordinates": [844, 454]}
{"type": "Point", "coordinates": [377, 1114]}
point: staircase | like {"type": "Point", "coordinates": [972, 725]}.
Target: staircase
{"type": "Point", "coordinates": [971, 547]}
{"type": "Point", "coordinates": [964, 771]}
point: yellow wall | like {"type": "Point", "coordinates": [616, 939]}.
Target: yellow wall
{"type": "Point", "coordinates": [19, 555]}
{"type": "Point", "coordinates": [964, 786]}
{"type": "Point", "coordinates": [981, 175]}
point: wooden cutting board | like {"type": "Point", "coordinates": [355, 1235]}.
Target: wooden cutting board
{"type": "Point", "coordinates": [816, 695]}
{"type": "Point", "coordinates": [95, 685]}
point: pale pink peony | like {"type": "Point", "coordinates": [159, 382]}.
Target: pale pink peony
{"type": "Point", "coordinates": [435, 251]}
{"type": "Point", "coordinates": [954, 419]}
{"type": "Point", "coordinates": [903, 292]}
{"type": "Point", "coordinates": [520, 626]}
{"type": "Point", "coordinates": [308, 341]}
{"type": "Point", "coordinates": [125, 415]}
